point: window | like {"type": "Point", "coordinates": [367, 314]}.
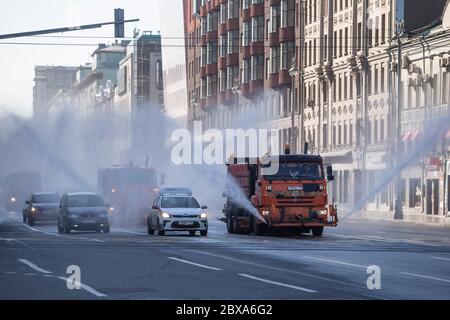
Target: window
{"type": "Point", "coordinates": [245, 4]}
{"type": "Point", "coordinates": [345, 86]}
{"type": "Point", "coordinates": [233, 9]}
{"type": "Point", "coordinates": [257, 29]}
{"type": "Point", "coordinates": [376, 80]}
{"type": "Point", "coordinates": [203, 25]}
{"type": "Point", "coordinates": [203, 89]}
{"type": "Point", "coordinates": [246, 33]}
{"type": "Point", "coordinates": [369, 80]}
{"type": "Point", "coordinates": [223, 45]}
{"type": "Point", "coordinates": [274, 59]}
{"type": "Point", "coordinates": [159, 75]}
{"type": "Point", "coordinates": [444, 88]}
{"type": "Point", "coordinates": [377, 30]}
{"type": "Point", "coordinates": [351, 86]}
{"type": "Point", "coordinates": [212, 20]}
{"type": "Point", "coordinates": [211, 52]}
{"type": "Point", "coordinates": [274, 18]}
{"type": "Point", "coordinates": [287, 53]}
{"type": "Point", "coordinates": [211, 87]}
{"type": "Point", "coordinates": [233, 42]}
{"type": "Point", "coordinates": [203, 56]}
{"type": "Point", "coordinates": [232, 75]}
{"type": "Point", "coordinates": [314, 52]}
{"type": "Point", "coordinates": [381, 129]}
{"type": "Point", "coordinates": [257, 70]}
{"type": "Point", "coordinates": [341, 41]}
{"type": "Point", "coordinates": [346, 42]}
{"type": "Point", "coordinates": [325, 47]}
{"type": "Point", "coordinates": [335, 44]}
{"type": "Point", "coordinates": [245, 70]}
{"type": "Point", "coordinates": [375, 130]}
{"type": "Point", "coordinates": [222, 80]}
{"type": "Point", "coordinates": [223, 12]}
{"type": "Point", "coordinates": [287, 13]}
{"type": "Point", "coordinates": [359, 45]}
{"type": "Point", "coordinates": [383, 28]}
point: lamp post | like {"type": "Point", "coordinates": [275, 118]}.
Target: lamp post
{"type": "Point", "coordinates": [293, 72]}
{"type": "Point", "coordinates": [398, 202]}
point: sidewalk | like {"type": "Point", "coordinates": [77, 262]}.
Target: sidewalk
{"type": "Point", "coordinates": [418, 218]}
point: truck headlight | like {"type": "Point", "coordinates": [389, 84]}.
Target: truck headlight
{"type": "Point", "coordinates": [165, 215]}
{"type": "Point", "coordinates": [265, 212]}
{"type": "Point", "coordinates": [322, 212]}
{"type": "Point", "coordinates": [13, 199]}
{"type": "Point", "coordinates": [203, 215]}
{"type": "Point", "coordinates": [33, 209]}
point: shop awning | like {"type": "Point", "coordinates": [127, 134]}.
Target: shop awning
{"type": "Point", "coordinates": [415, 135]}
{"type": "Point", "coordinates": [406, 136]}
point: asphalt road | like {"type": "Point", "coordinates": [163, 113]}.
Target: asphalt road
{"type": "Point", "coordinates": [414, 262]}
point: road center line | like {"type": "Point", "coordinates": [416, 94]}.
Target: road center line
{"type": "Point", "coordinates": [195, 264]}
{"type": "Point", "coordinates": [127, 231]}
{"type": "Point", "coordinates": [276, 283]}
{"type": "Point", "coordinates": [425, 277]}
{"type": "Point", "coordinates": [33, 266]}
{"type": "Point", "coordinates": [440, 258]}
{"type": "Point", "coordinates": [336, 262]}
{"type": "Point", "coordinates": [86, 287]}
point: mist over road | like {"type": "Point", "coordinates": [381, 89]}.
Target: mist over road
{"type": "Point", "coordinates": [129, 264]}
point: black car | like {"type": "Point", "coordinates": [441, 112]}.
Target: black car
{"type": "Point", "coordinates": [42, 206]}
{"type": "Point", "coordinates": [82, 211]}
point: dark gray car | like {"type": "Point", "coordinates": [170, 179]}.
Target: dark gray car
{"type": "Point", "coordinates": [82, 211]}
{"type": "Point", "coordinates": [42, 206]}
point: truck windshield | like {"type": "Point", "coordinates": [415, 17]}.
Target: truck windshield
{"type": "Point", "coordinates": [297, 171]}
{"type": "Point", "coordinates": [45, 198]}
{"type": "Point", "coordinates": [179, 202]}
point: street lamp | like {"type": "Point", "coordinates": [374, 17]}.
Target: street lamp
{"type": "Point", "coordinates": [398, 202]}
{"type": "Point", "coordinates": [293, 72]}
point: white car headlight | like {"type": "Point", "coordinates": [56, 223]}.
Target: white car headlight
{"type": "Point", "coordinates": [165, 215]}
{"type": "Point", "coordinates": [33, 209]}
{"type": "Point", "coordinates": [322, 212]}
{"type": "Point", "coordinates": [203, 215]}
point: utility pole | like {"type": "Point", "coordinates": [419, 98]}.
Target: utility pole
{"type": "Point", "coordinates": [293, 72]}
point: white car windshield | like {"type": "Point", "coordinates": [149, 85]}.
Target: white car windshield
{"type": "Point", "coordinates": [179, 202]}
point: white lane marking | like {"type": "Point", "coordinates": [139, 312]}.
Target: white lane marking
{"type": "Point", "coordinates": [425, 277]}
{"type": "Point", "coordinates": [33, 266]}
{"type": "Point", "coordinates": [86, 287]}
{"type": "Point", "coordinates": [30, 274]}
{"type": "Point", "coordinates": [336, 262]}
{"type": "Point", "coordinates": [128, 231]}
{"type": "Point", "coordinates": [440, 258]}
{"type": "Point", "coordinates": [276, 283]}
{"type": "Point", "coordinates": [10, 272]}
{"type": "Point", "coordinates": [195, 264]}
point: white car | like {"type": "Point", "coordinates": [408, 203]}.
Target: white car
{"type": "Point", "coordinates": [177, 213]}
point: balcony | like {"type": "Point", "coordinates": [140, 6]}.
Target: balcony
{"type": "Point", "coordinates": [287, 34]}
{"type": "Point", "coordinates": [222, 28]}
{"type": "Point", "coordinates": [232, 59]}
{"type": "Point", "coordinates": [246, 15]}
{"type": "Point", "coordinates": [246, 52]}
{"type": "Point", "coordinates": [256, 48]}
{"type": "Point", "coordinates": [273, 39]}
{"type": "Point", "coordinates": [273, 80]}
{"type": "Point", "coordinates": [211, 102]}
{"type": "Point", "coordinates": [203, 40]}
{"type": "Point", "coordinates": [211, 69]}
{"type": "Point", "coordinates": [211, 36]}
{"type": "Point", "coordinates": [257, 10]}
{"type": "Point", "coordinates": [233, 24]}
{"type": "Point", "coordinates": [284, 78]}
{"type": "Point", "coordinates": [203, 11]}
{"type": "Point", "coordinates": [256, 86]}
{"type": "Point", "coordinates": [222, 62]}
{"type": "Point", "coordinates": [202, 71]}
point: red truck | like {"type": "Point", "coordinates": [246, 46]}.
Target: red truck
{"type": "Point", "coordinates": [295, 197]}
{"type": "Point", "coordinates": [128, 190]}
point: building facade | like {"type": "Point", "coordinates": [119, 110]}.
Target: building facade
{"type": "Point", "coordinates": [318, 70]}
{"type": "Point", "coordinates": [48, 81]}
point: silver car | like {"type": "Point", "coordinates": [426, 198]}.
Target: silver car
{"type": "Point", "coordinates": [177, 213]}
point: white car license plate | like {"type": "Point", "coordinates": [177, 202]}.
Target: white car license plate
{"type": "Point", "coordinates": [88, 221]}
{"type": "Point", "coordinates": [185, 223]}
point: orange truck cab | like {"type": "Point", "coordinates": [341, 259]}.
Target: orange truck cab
{"type": "Point", "coordinates": [294, 197]}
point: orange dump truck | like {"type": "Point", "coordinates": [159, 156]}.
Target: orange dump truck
{"type": "Point", "coordinates": [294, 197]}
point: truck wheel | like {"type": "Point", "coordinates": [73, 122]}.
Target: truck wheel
{"type": "Point", "coordinates": [60, 229]}
{"type": "Point", "coordinates": [106, 229]}
{"type": "Point", "coordinates": [317, 231]}
{"type": "Point", "coordinates": [192, 233]}
{"type": "Point", "coordinates": [258, 228]}
{"type": "Point", "coordinates": [24, 218]}
{"type": "Point", "coordinates": [204, 233]}
{"type": "Point", "coordinates": [31, 222]}
{"type": "Point", "coordinates": [230, 225]}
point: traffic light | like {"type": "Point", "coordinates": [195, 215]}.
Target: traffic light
{"type": "Point", "coordinates": [119, 25]}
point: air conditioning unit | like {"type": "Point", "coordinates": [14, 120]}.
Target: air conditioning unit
{"type": "Point", "coordinates": [393, 66]}
{"type": "Point", "coordinates": [444, 62]}
{"type": "Point", "coordinates": [405, 62]}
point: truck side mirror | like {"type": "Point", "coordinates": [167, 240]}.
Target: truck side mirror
{"type": "Point", "coordinates": [330, 176]}
{"type": "Point", "coordinates": [204, 207]}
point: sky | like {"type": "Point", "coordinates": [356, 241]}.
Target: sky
{"type": "Point", "coordinates": [17, 61]}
